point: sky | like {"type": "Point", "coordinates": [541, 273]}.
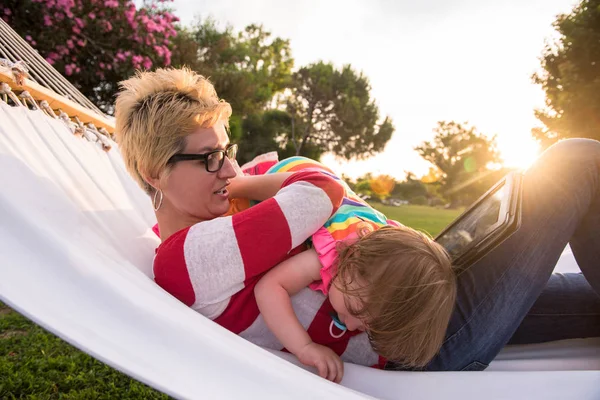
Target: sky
{"type": "Point", "coordinates": [427, 61]}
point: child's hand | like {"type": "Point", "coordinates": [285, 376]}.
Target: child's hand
{"type": "Point", "coordinates": [237, 169]}
{"type": "Point", "coordinates": [324, 359]}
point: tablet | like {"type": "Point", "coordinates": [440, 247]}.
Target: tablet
{"type": "Point", "coordinates": [484, 225]}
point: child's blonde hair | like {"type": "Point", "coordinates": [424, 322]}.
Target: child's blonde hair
{"type": "Point", "coordinates": [155, 111]}
{"type": "Point", "coordinates": [407, 288]}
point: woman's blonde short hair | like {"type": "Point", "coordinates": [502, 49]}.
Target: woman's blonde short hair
{"type": "Point", "coordinates": [407, 290]}
{"type": "Point", "coordinates": [155, 111]}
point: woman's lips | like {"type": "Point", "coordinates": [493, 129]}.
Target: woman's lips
{"type": "Point", "coordinates": [222, 192]}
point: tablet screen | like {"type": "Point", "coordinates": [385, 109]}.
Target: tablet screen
{"type": "Point", "coordinates": [474, 225]}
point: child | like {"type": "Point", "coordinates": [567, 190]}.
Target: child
{"type": "Point", "coordinates": [379, 276]}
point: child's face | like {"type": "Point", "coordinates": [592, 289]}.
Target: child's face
{"type": "Point", "coordinates": [338, 301]}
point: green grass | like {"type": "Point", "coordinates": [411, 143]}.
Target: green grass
{"type": "Point", "coordinates": [429, 219]}
{"type": "Point", "coordinates": [35, 364]}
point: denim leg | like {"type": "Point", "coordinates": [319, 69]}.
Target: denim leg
{"type": "Point", "coordinates": [495, 294]}
{"type": "Point", "coordinates": [567, 308]}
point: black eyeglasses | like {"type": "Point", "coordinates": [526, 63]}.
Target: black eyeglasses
{"type": "Point", "coordinates": [213, 161]}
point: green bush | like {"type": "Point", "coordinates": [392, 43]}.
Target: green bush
{"type": "Point", "coordinates": [419, 200]}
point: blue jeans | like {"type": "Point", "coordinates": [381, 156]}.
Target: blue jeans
{"type": "Point", "coordinates": [511, 295]}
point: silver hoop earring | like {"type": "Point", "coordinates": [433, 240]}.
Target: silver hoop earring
{"type": "Point", "coordinates": [160, 201]}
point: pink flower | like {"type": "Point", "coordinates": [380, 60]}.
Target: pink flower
{"type": "Point", "coordinates": [107, 26]}
{"type": "Point", "coordinates": [167, 56]}
{"type": "Point", "coordinates": [147, 63]}
{"type": "Point", "coordinates": [70, 44]}
{"type": "Point", "coordinates": [159, 51]}
{"type": "Point", "coordinates": [92, 15]}
{"type": "Point", "coordinates": [111, 3]}
{"type": "Point", "coordinates": [50, 61]}
{"type": "Point", "coordinates": [151, 26]}
{"type": "Point", "coordinates": [79, 22]}
{"type": "Point", "coordinates": [28, 38]}
{"type": "Point", "coordinates": [101, 65]}
{"type": "Point", "coordinates": [62, 50]}
{"type": "Point", "coordinates": [65, 4]}
{"type": "Point", "coordinates": [47, 20]}
{"type": "Point", "coordinates": [76, 30]}
{"type": "Point", "coordinates": [81, 43]}
{"type": "Point", "coordinates": [68, 70]}
{"type": "Point", "coordinates": [120, 56]}
{"type": "Point", "coordinates": [7, 11]}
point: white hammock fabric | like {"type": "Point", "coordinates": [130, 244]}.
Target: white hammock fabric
{"type": "Point", "coordinates": [76, 254]}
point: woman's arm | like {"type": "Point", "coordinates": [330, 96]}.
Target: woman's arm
{"type": "Point", "coordinates": [222, 255]}
{"type": "Point", "coordinates": [273, 293]}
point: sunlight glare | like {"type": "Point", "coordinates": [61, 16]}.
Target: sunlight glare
{"type": "Point", "coordinates": [519, 152]}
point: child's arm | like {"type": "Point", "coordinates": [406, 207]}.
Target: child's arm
{"type": "Point", "coordinates": [273, 293]}
{"type": "Point", "coordinates": [258, 187]}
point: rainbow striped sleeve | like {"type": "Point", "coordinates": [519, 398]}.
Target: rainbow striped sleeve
{"type": "Point", "coordinates": [353, 210]}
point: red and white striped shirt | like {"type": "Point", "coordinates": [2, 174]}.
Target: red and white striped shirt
{"type": "Point", "coordinates": [214, 265]}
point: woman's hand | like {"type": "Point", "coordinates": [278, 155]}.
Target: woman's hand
{"type": "Point", "coordinates": [329, 364]}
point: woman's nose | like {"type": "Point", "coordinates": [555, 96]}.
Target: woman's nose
{"type": "Point", "coordinates": [227, 170]}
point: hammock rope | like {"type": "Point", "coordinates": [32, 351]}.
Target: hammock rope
{"type": "Point", "coordinates": [14, 48]}
{"type": "Point", "coordinates": [23, 64]}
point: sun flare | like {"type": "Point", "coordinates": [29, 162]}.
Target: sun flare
{"type": "Point", "coordinates": [519, 152]}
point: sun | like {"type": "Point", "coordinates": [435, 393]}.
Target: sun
{"type": "Point", "coordinates": [519, 152]}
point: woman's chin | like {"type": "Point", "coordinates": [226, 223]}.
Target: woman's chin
{"type": "Point", "coordinates": [220, 207]}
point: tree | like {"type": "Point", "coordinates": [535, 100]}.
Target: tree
{"type": "Point", "coordinates": [382, 186]}
{"type": "Point", "coordinates": [571, 77]}
{"type": "Point", "coordinates": [262, 131]}
{"type": "Point", "coordinates": [95, 43]}
{"type": "Point", "coordinates": [247, 68]}
{"type": "Point", "coordinates": [333, 109]}
{"type": "Point", "coordinates": [465, 159]}
{"type": "Point", "coordinates": [363, 185]}
{"type": "Point", "coordinates": [409, 188]}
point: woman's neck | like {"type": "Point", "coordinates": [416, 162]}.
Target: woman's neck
{"type": "Point", "coordinates": [170, 222]}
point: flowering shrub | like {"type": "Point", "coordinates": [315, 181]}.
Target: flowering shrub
{"type": "Point", "coordinates": [95, 43]}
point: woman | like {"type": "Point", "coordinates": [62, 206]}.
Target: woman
{"type": "Point", "coordinates": [172, 134]}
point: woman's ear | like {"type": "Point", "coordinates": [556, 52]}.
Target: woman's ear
{"type": "Point", "coordinates": [154, 182]}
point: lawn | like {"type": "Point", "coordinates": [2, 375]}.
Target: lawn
{"type": "Point", "coordinates": [429, 219]}
{"type": "Point", "coordinates": [35, 364]}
